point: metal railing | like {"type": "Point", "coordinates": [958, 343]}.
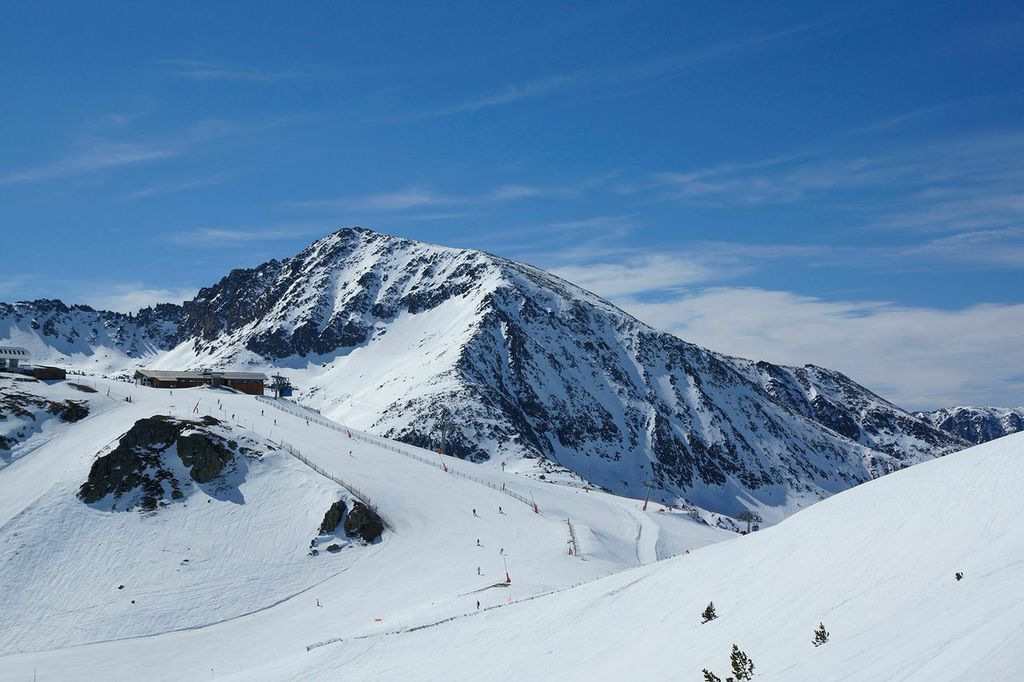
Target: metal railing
{"type": "Point", "coordinates": [354, 491]}
{"type": "Point", "coordinates": [309, 415]}
{"type": "Point", "coordinates": [572, 538]}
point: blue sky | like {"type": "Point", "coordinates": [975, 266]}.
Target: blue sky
{"type": "Point", "coordinates": [802, 182]}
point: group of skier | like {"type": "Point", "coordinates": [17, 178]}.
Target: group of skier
{"type": "Point", "coordinates": [501, 550]}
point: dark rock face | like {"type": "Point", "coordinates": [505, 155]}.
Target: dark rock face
{"type": "Point", "coordinates": [333, 517]}
{"type": "Point", "coordinates": [70, 410]}
{"type": "Point", "coordinates": [134, 463]}
{"type": "Point", "coordinates": [205, 456]}
{"type": "Point", "coordinates": [363, 522]}
{"type": "Point", "coordinates": [137, 466]}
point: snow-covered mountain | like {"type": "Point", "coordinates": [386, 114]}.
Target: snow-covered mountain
{"type": "Point", "coordinates": [977, 424]}
{"type": "Point", "coordinates": [401, 337]}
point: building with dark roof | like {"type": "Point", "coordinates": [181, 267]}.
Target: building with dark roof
{"type": "Point", "coordinates": [12, 357]}
{"type": "Point", "coordinates": [245, 382]}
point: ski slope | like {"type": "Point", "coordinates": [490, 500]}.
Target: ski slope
{"type": "Point", "coordinates": [875, 564]}
{"type": "Point", "coordinates": [226, 583]}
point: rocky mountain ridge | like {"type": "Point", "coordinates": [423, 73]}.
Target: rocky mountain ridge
{"type": "Point", "coordinates": [411, 341]}
{"type": "Point", "coordinates": [977, 424]}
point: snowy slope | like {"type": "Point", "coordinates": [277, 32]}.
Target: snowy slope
{"type": "Point", "coordinates": [875, 564]}
{"type": "Point", "coordinates": [34, 412]}
{"type": "Point", "coordinates": [397, 336]}
{"type": "Point", "coordinates": [977, 424]}
{"type": "Point", "coordinates": [237, 565]}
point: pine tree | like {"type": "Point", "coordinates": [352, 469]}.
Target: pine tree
{"type": "Point", "coordinates": [820, 635]}
{"type": "Point", "coordinates": [710, 676]}
{"type": "Point", "coordinates": [959, 576]}
{"type": "Point", "coordinates": [709, 613]}
{"type": "Point", "coordinates": [742, 666]}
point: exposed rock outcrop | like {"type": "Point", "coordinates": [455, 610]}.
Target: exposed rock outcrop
{"type": "Point", "coordinates": [363, 522]}
{"type": "Point", "coordinates": [205, 455]}
{"type": "Point", "coordinates": [134, 464]}
{"type": "Point", "coordinates": [333, 517]}
{"type": "Point", "coordinates": [70, 410]}
{"type": "Point", "coordinates": [137, 471]}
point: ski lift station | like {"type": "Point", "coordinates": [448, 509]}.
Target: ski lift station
{"type": "Point", "coordinates": [282, 386]}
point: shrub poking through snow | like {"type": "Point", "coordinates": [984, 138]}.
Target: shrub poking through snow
{"type": "Point", "coordinates": [742, 668]}
{"type": "Point", "coordinates": [709, 613]}
{"type": "Point", "coordinates": [820, 635]}
{"type": "Point", "coordinates": [959, 576]}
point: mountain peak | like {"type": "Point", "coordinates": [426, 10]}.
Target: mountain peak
{"type": "Point", "coordinates": [399, 336]}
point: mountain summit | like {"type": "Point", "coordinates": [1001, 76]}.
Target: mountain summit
{"type": "Point", "coordinates": [411, 341]}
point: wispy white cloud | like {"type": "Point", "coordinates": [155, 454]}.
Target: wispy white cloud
{"type": "Point", "coordinates": [918, 357]}
{"type": "Point", "coordinates": [12, 284]}
{"type": "Point", "coordinates": [92, 155]}
{"type": "Point", "coordinates": [606, 268]}
{"type": "Point", "coordinates": [637, 273]}
{"type": "Point", "coordinates": [1002, 247]}
{"type": "Point", "coordinates": [511, 93]}
{"type": "Point", "coordinates": [414, 197]}
{"type": "Point", "coordinates": [131, 297]}
{"type": "Point", "coordinates": [968, 183]}
{"type": "Point", "coordinates": [96, 156]}
{"type": "Point", "coordinates": [172, 186]}
{"type": "Point", "coordinates": [213, 71]}
{"type": "Point", "coordinates": [209, 236]}
{"type": "Point", "coordinates": [555, 84]}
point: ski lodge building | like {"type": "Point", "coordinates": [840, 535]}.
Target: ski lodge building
{"type": "Point", "coordinates": [13, 356]}
{"type": "Point", "coordinates": [245, 382]}
{"type": "Point", "coordinates": [17, 359]}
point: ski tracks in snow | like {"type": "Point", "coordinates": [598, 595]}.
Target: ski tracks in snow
{"type": "Point", "coordinates": [646, 541]}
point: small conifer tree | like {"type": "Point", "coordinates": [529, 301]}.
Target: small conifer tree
{"type": "Point", "coordinates": [710, 676]}
{"type": "Point", "coordinates": [709, 613]}
{"type": "Point", "coordinates": [820, 635]}
{"type": "Point", "coordinates": [742, 666]}
{"type": "Point", "coordinates": [959, 576]}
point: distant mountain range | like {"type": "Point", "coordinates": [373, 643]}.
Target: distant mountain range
{"type": "Point", "coordinates": [977, 424]}
{"type": "Point", "coordinates": [515, 365]}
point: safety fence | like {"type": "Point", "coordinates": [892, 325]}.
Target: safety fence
{"type": "Point", "coordinates": [309, 415]}
{"type": "Point", "coordinates": [354, 491]}
{"type": "Point", "coordinates": [510, 602]}
{"type": "Point", "coordinates": [572, 539]}
{"type": "Point", "coordinates": [424, 626]}
{"type": "Point", "coordinates": [75, 378]}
